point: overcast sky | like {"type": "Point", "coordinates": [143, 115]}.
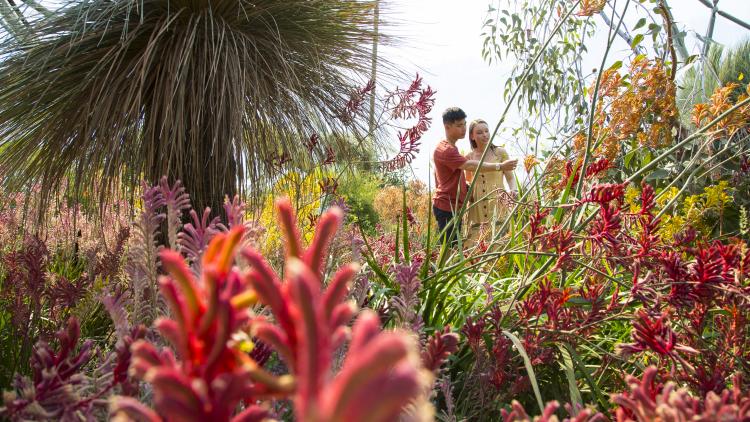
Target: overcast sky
{"type": "Point", "coordinates": [441, 40]}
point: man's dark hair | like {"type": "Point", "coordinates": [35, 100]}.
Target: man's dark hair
{"type": "Point", "coordinates": [452, 115]}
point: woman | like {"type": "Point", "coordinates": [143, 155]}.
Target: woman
{"type": "Point", "coordinates": [488, 208]}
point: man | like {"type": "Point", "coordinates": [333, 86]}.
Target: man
{"type": "Point", "coordinates": [451, 187]}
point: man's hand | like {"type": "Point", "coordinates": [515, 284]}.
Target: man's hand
{"type": "Point", "coordinates": [508, 165]}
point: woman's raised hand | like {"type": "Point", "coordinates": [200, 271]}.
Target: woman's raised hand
{"type": "Point", "coordinates": [508, 165]}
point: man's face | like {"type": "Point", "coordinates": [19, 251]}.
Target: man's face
{"type": "Point", "coordinates": [456, 130]}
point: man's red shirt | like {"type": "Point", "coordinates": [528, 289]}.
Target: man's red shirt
{"type": "Point", "coordinates": [449, 177]}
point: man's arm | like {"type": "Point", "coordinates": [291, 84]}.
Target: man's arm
{"type": "Point", "coordinates": [473, 165]}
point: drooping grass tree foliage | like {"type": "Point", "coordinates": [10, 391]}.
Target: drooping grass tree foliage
{"type": "Point", "coordinates": [215, 93]}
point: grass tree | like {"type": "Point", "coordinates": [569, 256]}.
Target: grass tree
{"type": "Point", "coordinates": [216, 93]}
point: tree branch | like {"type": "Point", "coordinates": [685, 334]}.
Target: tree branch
{"type": "Point", "coordinates": [670, 43]}
{"type": "Point", "coordinates": [623, 33]}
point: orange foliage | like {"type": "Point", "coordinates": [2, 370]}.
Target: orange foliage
{"type": "Point", "coordinates": [389, 203]}
{"type": "Point", "coordinates": [529, 162]}
{"type": "Point", "coordinates": [591, 7]}
{"type": "Point", "coordinates": [642, 108]}
{"type": "Point", "coordinates": [720, 102]}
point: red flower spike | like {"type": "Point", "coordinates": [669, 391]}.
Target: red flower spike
{"type": "Point", "coordinates": [275, 337]}
{"type": "Point", "coordinates": [268, 287]}
{"type": "Point", "coordinates": [327, 226]}
{"type": "Point", "coordinates": [473, 331]}
{"type": "Point", "coordinates": [676, 275]}
{"type": "Point", "coordinates": [597, 167]}
{"type": "Point", "coordinates": [605, 193]}
{"type": "Point", "coordinates": [536, 222]}
{"type": "Point", "coordinates": [438, 348]}
{"type": "Point", "coordinates": [654, 334]}
{"type": "Point", "coordinates": [407, 107]}
{"type": "Point", "coordinates": [252, 414]}
{"type": "Point", "coordinates": [213, 375]}
{"type": "Point", "coordinates": [289, 228]}
{"type": "Point", "coordinates": [174, 264]}
{"type": "Point", "coordinates": [707, 272]}
{"type": "Point", "coordinates": [313, 358]}
{"type": "Point", "coordinates": [561, 240]}
{"type": "Point", "coordinates": [648, 198]}
{"type": "Point", "coordinates": [648, 400]}
{"type": "Point", "coordinates": [341, 315]}
{"type": "Point", "coordinates": [129, 409]}
{"type": "Point", "coordinates": [604, 231]}
{"type": "Point", "coordinates": [366, 370]}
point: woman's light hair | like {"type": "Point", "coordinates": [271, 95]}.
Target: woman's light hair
{"type": "Point", "coordinates": [472, 125]}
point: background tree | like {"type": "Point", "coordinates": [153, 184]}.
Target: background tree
{"type": "Point", "coordinates": [220, 94]}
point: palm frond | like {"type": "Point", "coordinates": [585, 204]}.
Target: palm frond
{"type": "Point", "coordinates": [205, 91]}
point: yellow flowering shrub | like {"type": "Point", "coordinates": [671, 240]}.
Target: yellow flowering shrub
{"type": "Point", "coordinates": [305, 192]}
{"type": "Point", "coordinates": [633, 198]}
{"type": "Point", "coordinates": [717, 196]}
{"type": "Point", "coordinates": [697, 211]}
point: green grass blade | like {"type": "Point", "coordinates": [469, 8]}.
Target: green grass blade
{"type": "Point", "coordinates": [529, 368]}
{"type": "Point", "coordinates": [405, 228]}
{"type": "Point", "coordinates": [567, 364]}
{"type": "Point", "coordinates": [590, 381]}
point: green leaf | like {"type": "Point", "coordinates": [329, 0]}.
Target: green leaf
{"type": "Point", "coordinates": [636, 40]}
{"type": "Point", "coordinates": [397, 239]}
{"type": "Point", "coordinates": [428, 242]}
{"type": "Point", "coordinates": [405, 231]}
{"type": "Point", "coordinates": [629, 157]}
{"type": "Point", "coordinates": [529, 368]}
{"type": "Point", "coordinates": [567, 364]}
{"type": "Point", "coordinates": [657, 174]}
{"type": "Point", "coordinates": [590, 381]}
{"type": "Point", "coordinates": [641, 23]}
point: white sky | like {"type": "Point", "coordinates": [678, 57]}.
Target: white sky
{"type": "Point", "coordinates": [442, 41]}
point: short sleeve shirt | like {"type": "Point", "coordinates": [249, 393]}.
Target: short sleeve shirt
{"type": "Point", "coordinates": [451, 183]}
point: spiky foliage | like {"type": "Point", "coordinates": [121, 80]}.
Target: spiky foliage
{"type": "Point", "coordinates": [208, 92]}
{"type": "Point", "coordinates": [61, 388]}
{"type": "Point", "coordinates": [194, 237]}
{"type": "Point", "coordinates": [177, 201]}
{"type": "Point", "coordinates": [142, 265]}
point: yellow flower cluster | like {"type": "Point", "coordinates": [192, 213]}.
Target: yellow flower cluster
{"type": "Point", "coordinates": [695, 209]}
{"type": "Point", "coordinates": [717, 196]}
{"type": "Point", "coordinates": [720, 102]}
{"type": "Point", "coordinates": [642, 108]}
{"type": "Point", "coordinates": [633, 198]}
{"type": "Point", "coordinates": [305, 193]}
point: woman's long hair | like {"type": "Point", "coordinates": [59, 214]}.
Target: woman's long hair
{"type": "Point", "coordinates": [472, 125]}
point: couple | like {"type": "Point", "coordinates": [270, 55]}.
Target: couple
{"type": "Point", "coordinates": [451, 189]}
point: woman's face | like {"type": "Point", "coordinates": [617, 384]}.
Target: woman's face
{"type": "Point", "coordinates": [481, 134]}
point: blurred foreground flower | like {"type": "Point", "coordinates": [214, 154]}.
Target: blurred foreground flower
{"type": "Point", "coordinates": [212, 376]}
